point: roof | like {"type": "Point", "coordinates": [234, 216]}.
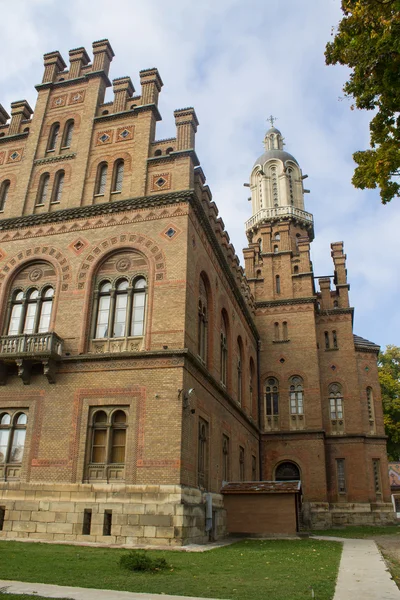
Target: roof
{"type": "Point", "coordinates": [394, 475]}
{"type": "Point", "coordinates": [277, 154]}
{"type": "Point", "coordinates": [261, 487]}
{"type": "Point", "coordinates": [364, 344]}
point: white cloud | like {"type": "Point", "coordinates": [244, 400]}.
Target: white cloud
{"type": "Point", "coordinates": [236, 64]}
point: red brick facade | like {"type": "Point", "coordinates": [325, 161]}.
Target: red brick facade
{"type": "Point", "coordinates": [81, 228]}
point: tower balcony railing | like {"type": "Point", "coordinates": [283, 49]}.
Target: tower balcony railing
{"type": "Point", "coordinates": [279, 212]}
{"type": "Point", "coordinates": [30, 345]}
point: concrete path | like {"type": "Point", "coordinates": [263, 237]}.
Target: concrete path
{"type": "Point", "coordinates": [76, 593]}
{"type": "Point", "coordinates": [363, 573]}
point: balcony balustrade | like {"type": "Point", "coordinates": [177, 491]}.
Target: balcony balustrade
{"type": "Point", "coordinates": [26, 349]}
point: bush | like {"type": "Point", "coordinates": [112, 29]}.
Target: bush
{"type": "Point", "coordinates": [140, 560]}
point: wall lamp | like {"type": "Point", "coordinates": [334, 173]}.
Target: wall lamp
{"type": "Point", "coordinates": [185, 395]}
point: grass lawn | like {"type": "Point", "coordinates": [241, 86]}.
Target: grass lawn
{"type": "Point", "coordinates": [247, 570]}
{"type": "Point", "coordinates": [360, 532]}
{"type": "Point", "coordinates": [26, 597]}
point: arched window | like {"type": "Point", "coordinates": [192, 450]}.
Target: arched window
{"type": "Point", "coordinates": [169, 150]}
{"type": "Point", "coordinates": [107, 443]}
{"type": "Point", "coordinates": [241, 464]}
{"type": "Point", "coordinates": [334, 339]}
{"type": "Point", "coordinates": [239, 363]}
{"type": "Point", "coordinates": [285, 330]}
{"type": "Point", "coordinates": [202, 319]}
{"type": "Point", "coordinates": [202, 454]}
{"type": "Point", "coordinates": [252, 390]}
{"type": "Point", "coordinates": [101, 179]}
{"type": "Point", "coordinates": [120, 310]}
{"type": "Point", "coordinates": [12, 437]}
{"type": "Point", "coordinates": [225, 458]}
{"type": "Point", "coordinates": [296, 393]}
{"type": "Point", "coordinates": [118, 176]}
{"type": "Point", "coordinates": [274, 187]}
{"type": "Point", "coordinates": [272, 397]}
{"type": "Point", "coordinates": [30, 311]}
{"type": "Point", "coordinates": [287, 471]}
{"type": "Point", "coordinates": [43, 189]}
{"type": "Point", "coordinates": [4, 189]}
{"type": "Point", "coordinates": [224, 350]}
{"type": "Point", "coordinates": [58, 187]}
{"type": "Point", "coordinates": [335, 401]}
{"type": "Point", "coordinates": [276, 249]}
{"type": "Point", "coordinates": [55, 130]}
{"type": "Point", "coordinates": [276, 332]}
{"type": "Point", "coordinates": [295, 269]}
{"type": "Point", "coordinates": [158, 152]}
{"type": "Point", "coordinates": [68, 131]}
{"type": "Point", "coordinates": [277, 237]}
{"type": "Point", "coordinates": [370, 405]}
{"type": "Point", "coordinates": [278, 284]}
{"type": "Point", "coordinates": [326, 337]}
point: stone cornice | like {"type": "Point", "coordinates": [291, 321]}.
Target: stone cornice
{"type": "Point", "coordinates": [177, 154]}
{"type": "Point", "coordinates": [69, 214]}
{"type": "Point", "coordinates": [336, 311]}
{"type": "Point", "coordinates": [58, 158]}
{"type": "Point", "coordinates": [12, 138]}
{"type": "Point", "coordinates": [288, 302]}
{"type": "Point", "coordinates": [360, 348]}
{"type": "Point", "coordinates": [212, 238]}
{"type": "Point", "coordinates": [68, 82]}
{"type": "Point", "coordinates": [130, 113]}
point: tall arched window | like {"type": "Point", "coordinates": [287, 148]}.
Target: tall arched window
{"type": "Point", "coordinates": [43, 189]}
{"type": "Point", "coordinates": [296, 392]}
{"type": "Point", "coordinates": [30, 311]}
{"type": "Point", "coordinates": [239, 365]}
{"type": "Point", "coordinates": [252, 390]}
{"type": "Point", "coordinates": [241, 464]}
{"type": "Point", "coordinates": [101, 179]}
{"type": "Point", "coordinates": [4, 189]}
{"type": "Point", "coordinates": [118, 176]}
{"type": "Point", "coordinates": [55, 130]}
{"type": "Point", "coordinates": [202, 319]}
{"type": "Point", "coordinates": [107, 443]}
{"type": "Point", "coordinates": [225, 458]}
{"type": "Point", "coordinates": [277, 284]}
{"type": "Point", "coordinates": [202, 455]}
{"type": "Point", "coordinates": [336, 401]}
{"type": "Point", "coordinates": [68, 131]}
{"type": "Point", "coordinates": [271, 397]}
{"type": "Point", "coordinates": [370, 405]}
{"type": "Point", "coordinates": [120, 310]}
{"type": "Point", "coordinates": [58, 187]}
{"type": "Point", "coordinates": [12, 437]}
{"type": "Point", "coordinates": [224, 350]}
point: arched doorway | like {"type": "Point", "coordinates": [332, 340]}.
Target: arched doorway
{"type": "Point", "coordinates": [287, 471]}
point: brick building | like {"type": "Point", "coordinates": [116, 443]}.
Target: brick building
{"type": "Point", "coordinates": [140, 366]}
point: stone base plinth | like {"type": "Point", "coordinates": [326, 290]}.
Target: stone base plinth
{"type": "Point", "coordinates": [162, 515]}
{"type": "Point", "coordinates": [322, 515]}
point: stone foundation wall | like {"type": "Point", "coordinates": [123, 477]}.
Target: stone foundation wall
{"type": "Point", "coordinates": [322, 515]}
{"type": "Point", "coordinates": [165, 515]}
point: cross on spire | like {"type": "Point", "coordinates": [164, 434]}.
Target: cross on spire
{"type": "Point", "coordinates": [272, 119]}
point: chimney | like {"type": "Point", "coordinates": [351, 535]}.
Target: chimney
{"type": "Point", "coordinates": [53, 64]}
{"type": "Point", "coordinates": [186, 126]}
{"type": "Point", "coordinates": [102, 56]}
{"type": "Point", "coordinates": [19, 110]}
{"type": "Point", "coordinates": [123, 89]}
{"type": "Point", "coordinates": [151, 83]}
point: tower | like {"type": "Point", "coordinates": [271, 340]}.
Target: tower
{"type": "Point", "coordinates": [320, 398]}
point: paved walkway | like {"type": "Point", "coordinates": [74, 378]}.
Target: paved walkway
{"type": "Point", "coordinates": [76, 593]}
{"type": "Point", "coordinates": [363, 573]}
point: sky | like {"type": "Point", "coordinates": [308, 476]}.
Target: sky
{"type": "Point", "coordinates": [237, 63]}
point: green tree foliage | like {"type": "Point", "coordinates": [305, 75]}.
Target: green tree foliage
{"type": "Point", "coordinates": [389, 378]}
{"type": "Point", "coordinates": [367, 40]}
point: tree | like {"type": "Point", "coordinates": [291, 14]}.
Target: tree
{"type": "Point", "coordinates": [389, 378]}
{"type": "Point", "coordinates": [367, 40]}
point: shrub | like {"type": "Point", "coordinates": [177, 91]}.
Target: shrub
{"type": "Point", "coordinates": [140, 560]}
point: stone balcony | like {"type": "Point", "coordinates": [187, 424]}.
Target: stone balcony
{"type": "Point", "coordinates": [279, 213]}
{"type": "Point", "coordinates": [28, 349]}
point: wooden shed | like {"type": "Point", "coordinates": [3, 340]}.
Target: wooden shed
{"type": "Point", "coordinates": [262, 507]}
